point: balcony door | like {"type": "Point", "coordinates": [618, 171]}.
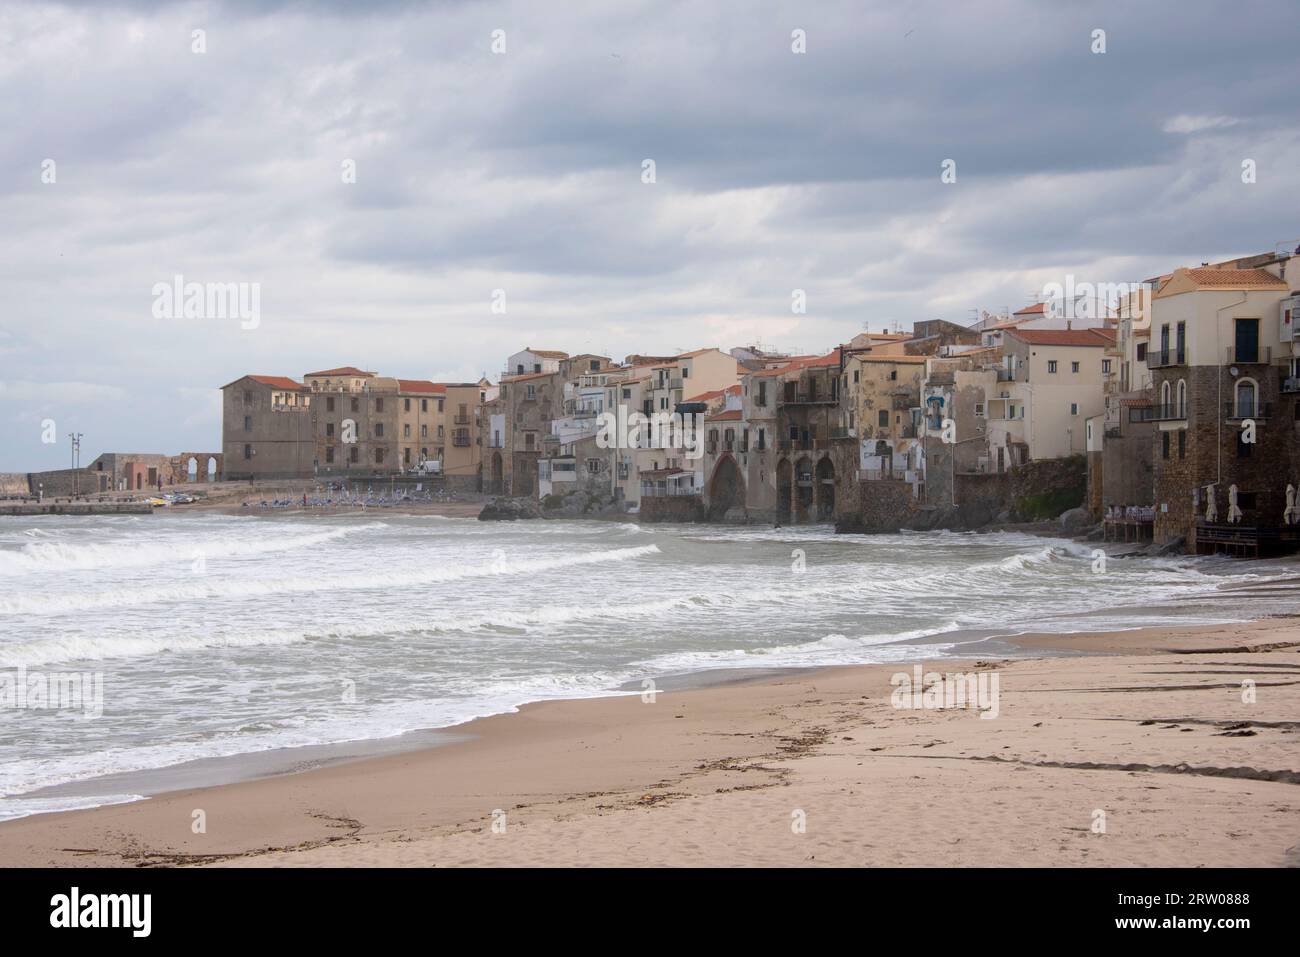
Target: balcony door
{"type": "Point", "coordinates": [1247, 341]}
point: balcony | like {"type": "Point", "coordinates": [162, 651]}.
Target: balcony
{"type": "Point", "coordinates": [1291, 386]}
{"type": "Point", "coordinates": [1158, 413]}
{"type": "Point", "coordinates": [461, 420]}
{"type": "Point", "coordinates": [807, 398]}
{"type": "Point", "coordinates": [1162, 358]}
{"type": "Point", "coordinates": [460, 441]}
{"type": "Point", "coordinates": [1236, 411]}
{"type": "Point", "coordinates": [1260, 355]}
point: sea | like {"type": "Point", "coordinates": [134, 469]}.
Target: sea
{"type": "Point", "coordinates": [238, 642]}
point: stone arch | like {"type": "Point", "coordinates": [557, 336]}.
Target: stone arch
{"type": "Point", "coordinates": [784, 491]}
{"type": "Point", "coordinates": [192, 469]}
{"type": "Point", "coordinates": [1245, 397]}
{"type": "Point", "coordinates": [803, 489]}
{"type": "Point", "coordinates": [824, 489]}
{"type": "Point", "coordinates": [726, 489]}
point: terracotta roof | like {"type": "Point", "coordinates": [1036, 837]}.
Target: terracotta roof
{"type": "Point", "coordinates": [1134, 403]}
{"type": "Point", "coordinates": [1235, 278]}
{"type": "Point", "coordinates": [1035, 309]}
{"type": "Point", "coordinates": [546, 353]}
{"type": "Point", "coordinates": [420, 385]}
{"type": "Point", "coordinates": [278, 381]}
{"type": "Point", "coordinates": [528, 375]}
{"type": "Point", "coordinates": [1062, 337]}
{"type": "Point", "coordinates": [731, 415]}
{"type": "Point", "coordinates": [1209, 277]}
{"type": "Point", "coordinates": [902, 359]}
{"type": "Point", "coordinates": [344, 370]}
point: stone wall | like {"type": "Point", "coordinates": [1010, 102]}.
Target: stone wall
{"type": "Point", "coordinates": [1126, 468]}
{"type": "Point", "coordinates": [883, 505]}
{"type": "Point", "coordinates": [1044, 488]}
{"type": "Point", "coordinates": [672, 508]}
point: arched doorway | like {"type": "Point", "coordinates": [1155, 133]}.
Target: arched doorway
{"type": "Point", "coordinates": [212, 469]}
{"type": "Point", "coordinates": [498, 474]}
{"type": "Point", "coordinates": [803, 490]}
{"type": "Point", "coordinates": [726, 489]}
{"type": "Point", "coordinates": [192, 470]}
{"type": "Point", "coordinates": [825, 490]}
{"type": "Point", "coordinates": [784, 491]}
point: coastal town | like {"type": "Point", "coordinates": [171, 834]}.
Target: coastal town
{"type": "Point", "coordinates": [1163, 411]}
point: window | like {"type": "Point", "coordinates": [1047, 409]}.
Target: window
{"type": "Point", "coordinates": [1074, 367]}
{"type": "Point", "coordinates": [884, 418]}
{"type": "Point", "coordinates": [329, 454]}
{"type": "Point", "coordinates": [424, 431]}
{"type": "Point", "coordinates": [893, 374]}
{"type": "Point", "coordinates": [1164, 445]}
{"type": "Point", "coordinates": [530, 440]}
{"type": "Point", "coordinates": [857, 375]}
{"type": "Point", "coordinates": [1181, 343]}
{"type": "Point", "coordinates": [1182, 397]}
{"type": "Point", "coordinates": [354, 454]}
{"type": "Point", "coordinates": [406, 405]}
{"type": "Point", "coordinates": [1051, 365]}
{"type": "Point", "coordinates": [1142, 352]}
{"type": "Point", "coordinates": [794, 433]}
{"type": "Point", "coordinates": [248, 423]}
{"type": "Point", "coordinates": [686, 372]}
{"type": "Point", "coordinates": [356, 405]}
{"type": "Point", "coordinates": [406, 456]}
{"type": "Point", "coordinates": [379, 430]}
{"type": "Point", "coordinates": [329, 403]}
{"type": "Point", "coordinates": [1243, 449]}
{"type": "Point", "coordinates": [519, 369]}
{"type": "Point", "coordinates": [1074, 408]}
{"type": "Point", "coordinates": [379, 405]}
{"type": "Point", "coordinates": [532, 392]}
{"type": "Point", "coordinates": [979, 410]}
{"type": "Point", "coordinates": [537, 367]}
{"type": "Point", "coordinates": [329, 428]}
{"type": "Point", "coordinates": [627, 393]}
{"type": "Point", "coordinates": [379, 456]}
{"type": "Point", "coordinates": [593, 465]}
{"type": "Point", "coordinates": [424, 405]}
{"type": "Point", "coordinates": [248, 451]}
{"type": "Point", "coordinates": [503, 395]}
{"type": "Point", "coordinates": [1245, 398]}
{"type": "Point", "coordinates": [594, 365]}
{"type": "Point", "coordinates": [1105, 367]}
{"type": "Point", "coordinates": [762, 439]}
{"type": "Point", "coordinates": [762, 394]}
{"type": "Point", "coordinates": [1182, 443]}
{"type": "Point", "coordinates": [406, 430]}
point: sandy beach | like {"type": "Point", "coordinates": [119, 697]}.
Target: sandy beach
{"type": "Point", "coordinates": [1139, 752]}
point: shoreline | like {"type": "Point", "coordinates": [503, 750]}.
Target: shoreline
{"type": "Point", "coordinates": [559, 765]}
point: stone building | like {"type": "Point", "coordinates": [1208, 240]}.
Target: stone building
{"type": "Point", "coordinates": [266, 428]}
{"type": "Point", "coordinates": [1223, 365]}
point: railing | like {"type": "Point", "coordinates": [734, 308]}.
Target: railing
{"type": "Point", "coordinates": [1257, 356]}
{"type": "Point", "coordinates": [665, 489]}
{"type": "Point", "coordinates": [461, 420]}
{"type": "Point", "coordinates": [1158, 413]}
{"type": "Point", "coordinates": [805, 398]}
{"type": "Point", "coordinates": [1247, 410]}
{"type": "Point", "coordinates": [843, 432]}
{"type": "Point", "coordinates": [1004, 375]}
{"type": "Point", "coordinates": [1291, 385]}
{"type": "Point", "coordinates": [675, 383]}
{"type": "Point", "coordinates": [461, 441]}
{"type": "Point", "coordinates": [1160, 358]}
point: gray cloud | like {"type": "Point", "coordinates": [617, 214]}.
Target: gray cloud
{"type": "Point", "coordinates": [521, 171]}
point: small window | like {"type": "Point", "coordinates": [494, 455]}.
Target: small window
{"type": "Point", "coordinates": [424, 405]}
{"type": "Point", "coordinates": [406, 405]}
{"type": "Point", "coordinates": [379, 405]}
{"type": "Point", "coordinates": [1074, 367]}
{"type": "Point", "coordinates": [884, 418]}
{"type": "Point", "coordinates": [248, 423]}
{"type": "Point", "coordinates": [1182, 443]}
{"type": "Point", "coordinates": [379, 430]}
{"type": "Point", "coordinates": [1105, 367]}
{"type": "Point", "coordinates": [1051, 365]}
{"type": "Point", "coordinates": [1074, 408]}
{"type": "Point", "coordinates": [379, 456]}
{"type": "Point", "coordinates": [354, 454]}
{"type": "Point", "coordinates": [329, 403]}
{"type": "Point", "coordinates": [356, 405]}
{"type": "Point", "coordinates": [329, 428]}
{"type": "Point", "coordinates": [857, 375]}
{"type": "Point", "coordinates": [1164, 445]}
{"type": "Point", "coordinates": [248, 451]}
{"type": "Point", "coordinates": [329, 454]}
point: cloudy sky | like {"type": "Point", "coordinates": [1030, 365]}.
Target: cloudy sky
{"type": "Point", "coordinates": [522, 170]}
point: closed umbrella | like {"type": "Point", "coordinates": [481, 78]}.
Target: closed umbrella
{"type": "Point", "coordinates": [1211, 509]}
{"type": "Point", "coordinates": [1292, 513]}
{"type": "Point", "coordinates": [1234, 513]}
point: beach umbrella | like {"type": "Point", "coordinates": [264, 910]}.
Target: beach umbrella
{"type": "Point", "coordinates": [1234, 513]}
{"type": "Point", "coordinates": [1211, 509]}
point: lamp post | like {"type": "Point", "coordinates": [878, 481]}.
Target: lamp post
{"type": "Point", "coordinates": [76, 455]}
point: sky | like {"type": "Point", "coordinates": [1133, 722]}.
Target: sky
{"type": "Point", "coordinates": [421, 189]}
